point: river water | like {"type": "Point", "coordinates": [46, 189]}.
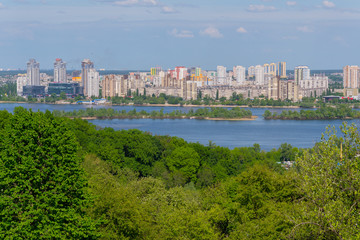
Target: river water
{"type": "Point", "coordinates": [268, 133]}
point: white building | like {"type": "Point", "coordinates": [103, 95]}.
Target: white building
{"type": "Point", "coordinates": [259, 75]}
{"type": "Point", "coordinates": [251, 71]}
{"type": "Point", "coordinates": [221, 75]}
{"type": "Point", "coordinates": [301, 73]}
{"type": "Point", "coordinates": [21, 81]}
{"type": "Point", "coordinates": [33, 73]}
{"type": "Point", "coordinates": [314, 85]}
{"type": "Point", "coordinates": [240, 74]}
{"type": "Point", "coordinates": [60, 71]}
{"type": "Point", "coordinates": [93, 83]}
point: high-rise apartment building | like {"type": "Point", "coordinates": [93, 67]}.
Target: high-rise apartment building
{"type": "Point", "coordinates": [180, 73]}
{"type": "Point", "coordinates": [198, 72]}
{"type": "Point", "coordinates": [301, 73]}
{"type": "Point", "coordinates": [240, 74]}
{"type": "Point", "coordinates": [60, 71]}
{"type": "Point", "coordinates": [21, 81]}
{"type": "Point", "coordinates": [92, 85]}
{"type": "Point", "coordinates": [33, 73]}
{"type": "Point", "coordinates": [272, 69]}
{"type": "Point", "coordinates": [351, 76]}
{"type": "Point", "coordinates": [281, 70]}
{"type": "Point", "coordinates": [90, 78]}
{"type": "Point", "coordinates": [259, 75]}
{"type": "Point", "coordinates": [155, 71]}
{"type": "Point", "coordinates": [221, 75]}
{"type": "Point", "coordinates": [251, 71]}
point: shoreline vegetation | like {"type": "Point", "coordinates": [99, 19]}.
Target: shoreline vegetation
{"type": "Point", "coordinates": [323, 113]}
{"type": "Point", "coordinates": [234, 114]}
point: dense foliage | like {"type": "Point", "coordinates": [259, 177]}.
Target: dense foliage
{"type": "Point", "coordinates": [325, 112]}
{"type": "Point", "coordinates": [201, 113]}
{"type": "Point", "coordinates": [161, 187]}
{"type": "Point", "coordinates": [42, 186]}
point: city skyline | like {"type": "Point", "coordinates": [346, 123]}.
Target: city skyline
{"type": "Point", "coordinates": [140, 34]}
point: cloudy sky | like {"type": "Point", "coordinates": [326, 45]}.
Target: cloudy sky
{"type": "Point", "coordinates": [139, 34]}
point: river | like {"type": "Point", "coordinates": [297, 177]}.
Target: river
{"type": "Point", "coordinates": [268, 133]}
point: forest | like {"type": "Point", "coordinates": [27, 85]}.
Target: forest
{"type": "Point", "coordinates": [64, 178]}
{"type": "Point", "coordinates": [339, 111]}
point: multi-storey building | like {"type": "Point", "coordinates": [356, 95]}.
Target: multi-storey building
{"type": "Point", "coordinates": [279, 89]}
{"type": "Point", "coordinates": [33, 73]}
{"type": "Point", "coordinates": [240, 74]}
{"type": "Point", "coordinates": [155, 71]}
{"type": "Point", "coordinates": [272, 69]}
{"type": "Point", "coordinates": [21, 81]}
{"type": "Point", "coordinates": [259, 75]}
{"type": "Point", "coordinates": [351, 76]}
{"type": "Point", "coordinates": [60, 71]}
{"type": "Point", "coordinates": [251, 72]}
{"type": "Point", "coordinates": [281, 70]}
{"type": "Point", "coordinates": [180, 73]}
{"type": "Point", "coordinates": [90, 78]}
{"type": "Point", "coordinates": [314, 86]}
{"type": "Point", "coordinates": [92, 83]}
{"type": "Point", "coordinates": [221, 75]}
{"type": "Point", "coordinates": [301, 73]}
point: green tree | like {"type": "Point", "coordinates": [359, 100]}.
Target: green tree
{"type": "Point", "coordinates": [41, 181]}
{"type": "Point", "coordinates": [329, 177]}
{"type": "Point", "coordinates": [185, 161]}
{"type": "Point", "coordinates": [63, 95]}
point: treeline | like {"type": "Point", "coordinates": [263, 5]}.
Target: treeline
{"type": "Point", "coordinates": [323, 113]}
{"type": "Point", "coordinates": [201, 113]}
{"type": "Point", "coordinates": [68, 179]}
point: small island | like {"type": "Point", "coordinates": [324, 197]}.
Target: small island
{"type": "Point", "coordinates": [323, 113]}
{"type": "Point", "coordinates": [233, 114]}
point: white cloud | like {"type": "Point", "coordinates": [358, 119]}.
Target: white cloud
{"type": "Point", "coordinates": [328, 4]}
{"type": "Point", "coordinates": [136, 3]}
{"type": "Point", "coordinates": [182, 33]}
{"type": "Point", "coordinates": [291, 3]}
{"type": "Point", "coordinates": [304, 29]}
{"type": "Point", "coordinates": [150, 2]}
{"type": "Point", "coordinates": [167, 9]}
{"type": "Point", "coordinates": [260, 8]}
{"type": "Point", "coordinates": [212, 32]}
{"type": "Point", "coordinates": [241, 30]}
{"type": "Point", "coordinates": [126, 2]}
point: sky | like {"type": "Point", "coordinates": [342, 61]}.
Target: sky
{"type": "Point", "coordinates": [140, 34]}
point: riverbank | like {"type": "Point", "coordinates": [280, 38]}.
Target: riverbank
{"type": "Point", "coordinates": [252, 118]}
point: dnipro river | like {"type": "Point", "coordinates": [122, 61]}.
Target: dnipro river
{"type": "Point", "coordinates": [268, 133]}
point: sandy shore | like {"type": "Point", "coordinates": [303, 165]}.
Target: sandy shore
{"type": "Point", "coordinates": [183, 117]}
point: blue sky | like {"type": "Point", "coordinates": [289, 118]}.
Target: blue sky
{"type": "Point", "coordinates": [139, 34]}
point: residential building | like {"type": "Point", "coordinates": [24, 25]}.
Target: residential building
{"type": "Point", "coordinates": [33, 73]}
{"type": "Point", "coordinates": [60, 71]}
{"type": "Point", "coordinates": [21, 81]}
{"type": "Point", "coordinates": [351, 76]}
{"type": "Point", "coordinates": [240, 74]}
{"type": "Point", "coordinates": [259, 75]}
{"type": "Point", "coordinates": [301, 73]}
{"type": "Point", "coordinates": [221, 75]}
{"type": "Point", "coordinates": [281, 70]}
{"type": "Point", "coordinates": [251, 72]}
{"type": "Point", "coordinates": [90, 78]}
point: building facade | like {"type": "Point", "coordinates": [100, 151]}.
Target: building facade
{"type": "Point", "coordinates": [33, 73]}
{"type": "Point", "coordinates": [351, 76]}
{"type": "Point", "coordinates": [60, 71]}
